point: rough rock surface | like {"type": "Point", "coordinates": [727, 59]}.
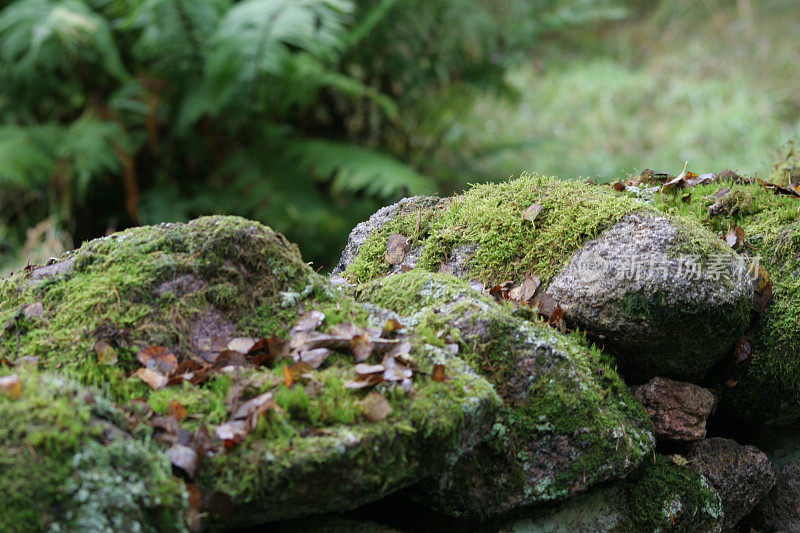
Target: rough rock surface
{"type": "Point", "coordinates": [742, 475]}
{"type": "Point", "coordinates": [189, 288]}
{"type": "Point", "coordinates": [780, 509]}
{"type": "Point", "coordinates": [633, 287]}
{"type": "Point", "coordinates": [678, 410]}
{"type": "Point", "coordinates": [568, 422]}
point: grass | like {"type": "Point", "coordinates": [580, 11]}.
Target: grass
{"type": "Point", "coordinates": [703, 82]}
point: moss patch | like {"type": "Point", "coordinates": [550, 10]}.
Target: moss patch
{"type": "Point", "coordinates": [59, 472]}
{"type": "Point", "coordinates": [491, 216]}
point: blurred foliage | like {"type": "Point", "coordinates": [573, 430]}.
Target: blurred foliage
{"type": "Point", "coordinates": [304, 114]}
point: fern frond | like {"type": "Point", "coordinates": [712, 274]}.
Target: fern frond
{"type": "Point", "coordinates": [356, 168]}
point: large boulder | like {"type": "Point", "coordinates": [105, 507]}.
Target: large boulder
{"type": "Point", "coordinates": [568, 421]}
{"type": "Point", "coordinates": [764, 383]}
{"type": "Point", "coordinates": [216, 333]}
{"type": "Point", "coordinates": [666, 295]}
{"type": "Point", "coordinates": [742, 475]}
{"type": "Point", "coordinates": [660, 496]}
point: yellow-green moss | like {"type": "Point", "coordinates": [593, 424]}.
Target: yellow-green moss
{"type": "Point", "coordinates": [60, 475]}
{"type": "Point", "coordinates": [491, 217]}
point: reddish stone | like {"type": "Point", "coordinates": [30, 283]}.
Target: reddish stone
{"type": "Point", "coordinates": [678, 410]}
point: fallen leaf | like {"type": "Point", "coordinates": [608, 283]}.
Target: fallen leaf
{"type": "Point", "coordinates": [260, 402]}
{"type": "Point", "coordinates": [396, 247]}
{"type": "Point", "coordinates": [365, 369]}
{"type": "Point", "coordinates": [395, 370]}
{"type": "Point", "coordinates": [557, 319]}
{"type": "Point", "coordinates": [742, 350]}
{"type": "Point", "coordinates": [176, 410]}
{"type": "Point", "coordinates": [619, 186]}
{"type": "Point", "coordinates": [762, 291]}
{"type": "Point", "coordinates": [34, 310]}
{"type": "Point", "coordinates": [362, 347]}
{"type": "Point", "coordinates": [293, 372]}
{"type": "Point", "coordinates": [151, 377]}
{"type": "Point", "coordinates": [545, 304]}
{"type": "Point", "coordinates": [219, 505]}
{"type": "Point", "coordinates": [532, 212]}
{"type": "Point", "coordinates": [500, 292]}
{"type": "Point", "coordinates": [438, 373]}
{"type": "Point", "coordinates": [11, 386]}
{"type": "Point", "coordinates": [678, 459]}
{"type": "Point", "coordinates": [106, 354]}
{"type": "Point", "coordinates": [184, 459]}
{"type": "Point", "coordinates": [158, 359]}
{"type": "Point", "coordinates": [314, 357]}
{"type": "Point", "coordinates": [731, 383]}
{"type": "Point", "coordinates": [525, 290]}
{"type": "Point", "coordinates": [230, 358]}
{"type": "Point", "coordinates": [364, 381]}
{"type": "Point", "coordinates": [678, 181]}
{"type": "Point", "coordinates": [788, 190]}
{"type": "Point", "coordinates": [231, 433]}
{"type": "Point", "coordinates": [375, 407]}
{"type": "Point", "coordinates": [392, 326]}
{"type": "Point", "coordinates": [242, 344]}
{"type": "Point", "coordinates": [309, 321]}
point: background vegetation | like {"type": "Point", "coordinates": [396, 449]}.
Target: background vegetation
{"type": "Point", "coordinates": [309, 114]}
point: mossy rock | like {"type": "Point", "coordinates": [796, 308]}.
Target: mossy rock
{"type": "Point", "coordinates": [179, 286]}
{"type": "Point", "coordinates": [68, 464]}
{"type": "Point", "coordinates": [636, 303]}
{"type": "Point", "coordinates": [766, 386]}
{"type": "Point", "coordinates": [660, 496]}
{"type": "Point", "coordinates": [568, 421]}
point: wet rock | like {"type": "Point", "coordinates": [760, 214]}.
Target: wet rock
{"type": "Point", "coordinates": [779, 510]}
{"type": "Point", "coordinates": [742, 475]}
{"type": "Point", "coordinates": [664, 311]}
{"type": "Point", "coordinates": [678, 410]}
{"type": "Point", "coordinates": [568, 422]}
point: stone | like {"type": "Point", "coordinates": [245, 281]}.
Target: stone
{"type": "Point", "coordinates": [678, 410]}
{"type": "Point", "coordinates": [189, 289]}
{"type": "Point", "coordinates": [568, 422]}
{"type": "Point", "coordinates": [742, 475]}
{"type": "Point", "coordinates": [779, 510]}
{"type": "Point", "coordinates": [631, 288]}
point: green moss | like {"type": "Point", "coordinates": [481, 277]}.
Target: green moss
{"type": "Point", "coordinates": [491, 217]}
{"type": "Point", "coordinates": [58, 475]}
{"type": "Point", "coordinates": [768, 385]}
{"type": "Point", "coordinates": [665, 496]}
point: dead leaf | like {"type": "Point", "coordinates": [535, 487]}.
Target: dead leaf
{"type": "Point", "coordinates": [557, 319]}
{"type": "Point", "coordinates": [375, 407]}
{"type": "Point", "coordinates": [11, 386]}
{"type": "Point", "coordinates": [742, 350]}
{"type": "Point", "coordinates": [151, 377]}
{"type": "Point", "coordinates": [788, 190]}
{"type": "Point", "coordinates": [184, 459]}
{"type": "Point", "coordinates": [395, 370]}
{"type": "Point", "coordinates": [176, 410]}
{"type": "Point", "coordinates": [259, 403]}
{"type": "Point", "coordinates": [242, 344]}
{"type": "Point", "coordinates": [392, 326]}
{"type": "Point", "coordinates": [396, 247]}
{"type": "Point", "coordinates": [438, 373]}
{"type": "Point", "coordinates": [525, 290]}
{"type": "Point", "coordinates": [293, 372]}
{"type": "Point", "coordinates": [158, 359]}
{"type": "Point", "coordinates": [619, 186]}
{"type": "Point", "coordinates": [106, 354]}
{"type": "Point", "coordinates": [219, 506]}
{"type": "Point", "coordinates": [34, 310]}
{"type": "Point", "coordinates": [364, 381]}
{"type": "Point", "coordinates": [532, 212]}
{"type": "Point", "coordinates": [309, 321]}
{"type": "Point", "coordinates": [314, 357]}
{"type": "Point", "coordinates": [678, 459]}
{"type": "Point", "coordinates": [500, 292]}
{"type": "Point", "coordinates": [545, 304]}
{"type": "Point", "coordinates": [231, 433]}
{"type": "Point", "coordinates": [678, 181]}
{"type": "Point", "coordinates": [365, 369]}
{"type": "Point", "coordinates": [362, 347]}
{"type": "Point", "coordinates": [731, 383]}
{"type": "Point", "coordinates": [762, 291]}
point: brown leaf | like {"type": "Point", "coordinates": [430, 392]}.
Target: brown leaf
{"type": "Point", "coordinates": [293, 372]}
{"type": "Point", "coordinates": [525, 290]}
{"type": "Point", "coordinates": [619, 186]}
{"type": "Point", "coordinates": [557, 319]}
{"type": "Point", "coordinates": [731, 383]}
{"type": "Point", "coordinates": [230, 358]}
{"type": "Point", "coordinates": [438, 373]}
{"type": "Point", "coordinates": [158, 359]}
{"type": "Point", "coordinates": [788, 190]}
{"type": "Point", "coordinates": [735, 237]}
{"type": "Point", "coordinates": [532, 212]}
{"type": "Point", "coordinates": [259, 403]}
{"type": "Point", "coordinates": [500, 292]}
{"type": "Point", "coordinates": [231, 433]}
{"type": "Point", "coordinates": [242, 344]}
{"type": "Point", "coordinates": [309, 321]}
{"type": "Point", "coordinates": [392, 326]}
{"type": "Point", "coordinates": [762, 291]}
{"type": "Point", "coordinates": [375, 407]}
{"type": "Point", "coordinates": [176, 410]}
{"type": "Point", "coordinates": [184, 459]}
{"type": "Point", "coordinates": [365, 369]}
{"type": "Point", "coordinates": [11, 386]}
{"type": "Point", "coordinates": [362, 347]}
{"type": "Point", "coordinates": [364, 381]}
{"type": "Point", "coordinates": [106, 354]}
{"type": "Point", "coordinates": [395, 370]}
{"type": "Point", "coordinates": [396, 247]}
{"type": "Point", "coordinates": [545, 304]}
{"type": "Point", "coordinates": [742, 350]}
{"type": "Point", "coordinates": [151, 377]}
{"type": "Point", "coordinates": [314, 357]}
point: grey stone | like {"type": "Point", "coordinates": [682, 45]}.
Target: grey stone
{"type": "Point", "coordinates": [630, 288]}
